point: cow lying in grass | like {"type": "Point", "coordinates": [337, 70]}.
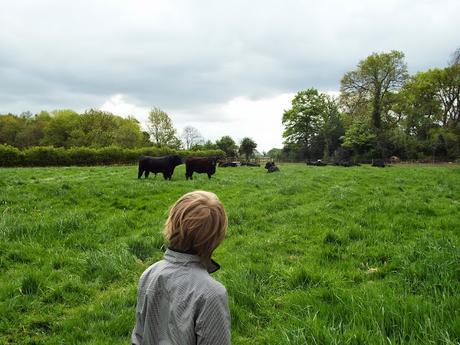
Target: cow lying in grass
{"type": "Point", "coordinates": [271, 167]}
{"type": "Point", "coordinates": [318, 163]}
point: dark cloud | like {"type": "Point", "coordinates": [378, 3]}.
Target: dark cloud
{"type": "Point", "coordinates": [192, 56]}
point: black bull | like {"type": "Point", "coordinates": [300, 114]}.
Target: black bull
{"type": "Point", "coordinates": [200, 165]}
{"type": "Point", "coordinates": [164, 165]}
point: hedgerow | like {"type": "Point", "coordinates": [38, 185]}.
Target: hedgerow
{"type": "Point", "coordinates": [58, 156]}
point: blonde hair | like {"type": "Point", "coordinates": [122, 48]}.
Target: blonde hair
{"type": "Point", "coordinates": [197, 224]}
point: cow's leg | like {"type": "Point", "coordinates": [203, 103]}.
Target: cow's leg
{"type": "Point", "coordinates": [209, 176]}
{"type": "Point", "coordinates": [165, 176]}
{"type": "Point", "coordinates": [147, 173]}
{"type": "Point", "coordinates": [140, 172]}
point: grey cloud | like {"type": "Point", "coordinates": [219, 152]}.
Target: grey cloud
{"type": "Point", "coordinates": [191, 55]}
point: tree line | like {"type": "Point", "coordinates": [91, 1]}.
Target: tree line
{"type": "Point", "coordinates": [100, 129]}
{"type": "Point", "coordinates": [382, 111]}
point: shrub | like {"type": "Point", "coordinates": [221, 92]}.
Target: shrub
{"type": "Point", "coordinates": [10, 156]}
{"type": "Point", "coordinates": [45, 156]}
{"type": "Point", "coordinates": [58, 156]}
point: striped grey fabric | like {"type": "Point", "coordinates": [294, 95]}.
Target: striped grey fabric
{"type": "Point", "coordinates": [179, 303]}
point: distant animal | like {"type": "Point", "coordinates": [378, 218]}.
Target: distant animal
{"type": "Point", "coordinates": [200, 165]}
{"type": "Point", "coordinates": [271, 167]}
{"type": "Point", "coordinates": [380, 163]}
{"type": "Point", "coordinates": [250, 164]}
{"type": "Point", "coordinates": [227, 164]}
{"type": "Point", "coordinates": [164, 165]}
{"type": "Point", "coordinates": [346, 163]}
{"type": "Point", "coordinates": [318, 163]}
{"type": "Point", "coordinates": [395, 159]}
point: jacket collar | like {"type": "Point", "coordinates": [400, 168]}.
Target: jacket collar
{"type": "Point", "coordinates": [174, 256]}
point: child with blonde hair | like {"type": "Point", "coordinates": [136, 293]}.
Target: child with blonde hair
{"type": "Point", "coordinates": [178, 301]}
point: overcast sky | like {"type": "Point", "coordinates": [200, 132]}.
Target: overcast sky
{"type": "Point", "coordinates": [224, 67]}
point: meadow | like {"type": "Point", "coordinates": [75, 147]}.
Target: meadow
{"type": "Point", "coordinates": [313, 255]}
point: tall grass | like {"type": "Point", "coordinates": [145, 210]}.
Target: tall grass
{"type": "Point", "coordinates": [313, 255]}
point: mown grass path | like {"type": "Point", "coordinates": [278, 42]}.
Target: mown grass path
{"type": "Point", "coordinates": [317, 255]}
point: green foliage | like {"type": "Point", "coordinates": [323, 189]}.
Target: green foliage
{"type": "Point", "coordinates": [66, 128]}
{"type": "Point", "coordinates": [161, 129]}
{"type": "Point", "coordinates": [313, 123]}
{"type": "Point", "coordinates": [10, 156]}
{"type": "Point", "coordinates": [372, 84]}
{"type": "Point", "coordinates": [228, 145]}
{"type": "Point", "coordinates": [312, 256]}
{"type": "Point", "coordinates": [247, 147]}
{"type": "Point", "coordinates": [360, 138]}
{"type": "Point", "coordinates": [275, 153]}
{"type": "Point", "coordinates": [58, 156]}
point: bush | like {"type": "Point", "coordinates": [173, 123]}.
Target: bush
{"type": "Point", "coordinates": [10, 156]}
{"type": "Point", "coordinates": [45, 156]}
{"type": "Point", "coordinates": [52, 156]}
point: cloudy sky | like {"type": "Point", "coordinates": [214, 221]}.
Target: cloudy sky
{"type": "Point", "coordinates": [224, 67]}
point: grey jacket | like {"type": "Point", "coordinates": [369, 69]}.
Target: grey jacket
{"type": "Point", "coordinates": [179, 303]}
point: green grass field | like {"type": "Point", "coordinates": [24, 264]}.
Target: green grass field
{"type": "Point", "coordinates": [312, 256]}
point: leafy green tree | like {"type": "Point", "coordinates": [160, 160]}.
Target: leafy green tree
{"type": "Point", "coordinates": [161, 129]}
{"type": "Point", "coordinates": [33, 131]}
{"type": "Point", "coordinates": [58, 132]}
{"type": "Point", "coordinates": [128, 133]}
{"type": "Point", "coordinates": [247, 147]}
{"type": "Point", "coordinates": [275, 153]}
{"type": "Point", "coordinates": [360, 138]}
{"type": "Point", "coordinates": [10, 126]}
{"type": "Point", "coordinates": [228, 145]}
{"type": "Point", "coordinates": [418, 107]}
{"type": "Point", "coordinates": [447, 87]}
{"type": "Point", "coordinates": [369, 89]}
{"type": "Point", "coordinates": [313, 122]}
{"type": "Point", "coordinates": [207, 145]}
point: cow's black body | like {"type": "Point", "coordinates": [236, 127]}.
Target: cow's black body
{"type": "Point", "coordinates": [346, 163]}
{"type": "Point", "coordinates": [164, 165]}
{"type": "Point", "coordinates": [227, 164]}
{"type": "Point", "coordinates": [250, 164]}
{"type": "Point", "coordinates": [201, 165]}
{"type": "Point", "coordinates": [271, 167]}
{"type": "Point", "coordinates": [380, 163]}
{"type": "Point", "coordinates": [318, 163]}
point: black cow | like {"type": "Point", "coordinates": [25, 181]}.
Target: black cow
{"type": "Point", "coordinates": [200, 165]}
{"type": "Point", "coordinates": [271, 167]}
{"type": "Point", "coordinates": [164, 165]}
{"type": "Point", "coordinates": [318, 163]}
{"type": "Point", "coordinates": [250, 164]}
{"type": "Point", "coordinates": [380, 163]}
{"type": "Point", "coordinates": [346, 163]}
{"type": "Point", "coordinates": [227, 164]}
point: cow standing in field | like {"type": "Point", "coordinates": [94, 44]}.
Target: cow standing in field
{"type": "Point", "coordinates": [200, 165]}
{"type": "Point", "coordinates": [164, 165]}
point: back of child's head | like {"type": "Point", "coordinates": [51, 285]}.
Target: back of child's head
{"type": "Point", "coordinates": [196, 224]}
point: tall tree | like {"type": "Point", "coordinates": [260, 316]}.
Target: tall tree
{"type": "Point", "coordinates": [59, 130]}
{"type": "Point", "coordinates": [161, 129]}
{"type": "Point", "coordinates": [369, 88]}
{"type": "Point", "coordinates": [228, 145]}
{"type": "Point", "coordinates": [455, 60]}
{"type": "Point", "coordinates": [191, 137]}
{"type": "Point", "coordinates": [247, 147]}
{"type": "Point", "coordinates": [313, 122]}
